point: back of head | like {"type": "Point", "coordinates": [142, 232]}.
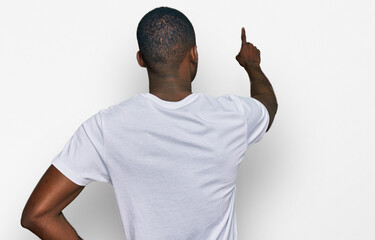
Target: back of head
{"type": "Point", "coordinates": [164, 35]}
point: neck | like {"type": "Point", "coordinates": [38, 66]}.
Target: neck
{"type": "Point", "coordinates": [170, 86]}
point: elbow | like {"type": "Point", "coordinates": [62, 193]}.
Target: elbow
{"type": "Point", "coordinates": [273, 106]}
{"type": "Point", "coordinates": [274, 110]}
{"type": "Point", "coordinates": [275, 102]}
{"type": "Point", "coordinates": [26, 217]}
{"type": "Point", "coordinates": [26, 222]}
{"type": "Point", "coordinates": [276, 106]}
{"type": "Point", "coordinates": [29, 220]}
{"type": "Point", "coordinates": [272, 113]}
{"type": "Point", "coordinates": [33, 224]}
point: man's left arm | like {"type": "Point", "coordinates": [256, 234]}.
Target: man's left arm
{"type": "Point", "coordinates": [43, 215]}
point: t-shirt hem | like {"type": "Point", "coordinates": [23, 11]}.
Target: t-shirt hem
{"type": "Point", "coordinates": [69, 174]}
{"type": "Point", "coordinates": [267, 119]}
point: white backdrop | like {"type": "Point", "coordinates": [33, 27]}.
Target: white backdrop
{"type": "Point", "coordinates": [311, 177]}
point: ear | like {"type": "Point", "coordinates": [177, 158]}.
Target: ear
{"type": "Point", "coordinates": [194, 54]}
{"type": "Point", "coordinates": [140, 60]}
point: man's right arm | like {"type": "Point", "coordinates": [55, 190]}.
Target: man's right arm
{"type": "Point", "coordinates": [261, 88]}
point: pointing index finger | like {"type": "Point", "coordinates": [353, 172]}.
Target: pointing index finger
{"type": "Point", "coordinates": [243, 36]}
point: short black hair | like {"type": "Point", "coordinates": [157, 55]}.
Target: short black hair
{"type": "Point", "coordinates": [165, 35]}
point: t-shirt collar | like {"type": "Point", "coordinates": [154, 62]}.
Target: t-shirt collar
{"type": "Point", "coordinates": [169, 104]}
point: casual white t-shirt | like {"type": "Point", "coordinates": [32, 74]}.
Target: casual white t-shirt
{"type": "Point", "coordinates": [173, 165]}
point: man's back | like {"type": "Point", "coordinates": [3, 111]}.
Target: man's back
{"type": "Point", "coordinates": [171, 154]}
{"type": "Point", "coordinates": [173, 165]}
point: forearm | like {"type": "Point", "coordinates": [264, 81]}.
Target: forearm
{"type": "Point", "coordinates": [262, 90]}
{"type": "Point", "coordinates": [53, 228]}
{"type": "Point", "coordinates": [260, 85]}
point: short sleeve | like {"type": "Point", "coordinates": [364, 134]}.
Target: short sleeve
{"type": "Point", "coordinates": [82, 158]}
{"type": "Point", "coordinates": [257, 118]}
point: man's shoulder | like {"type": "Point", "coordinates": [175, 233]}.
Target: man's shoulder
{"type": "Point", "coordinates": [128, 101]}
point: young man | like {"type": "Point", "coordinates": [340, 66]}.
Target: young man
{"type": "Point", "coordinates": [170, 154]}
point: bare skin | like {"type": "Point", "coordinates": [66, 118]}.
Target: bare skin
{"type": "Point", "coordinates": [172, 84]}
{"type": "Point", "coordinates": [261, 88]}
{"type": "Point", "coordinates": [43, 211]}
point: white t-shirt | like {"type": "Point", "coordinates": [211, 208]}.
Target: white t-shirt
{"type": "Point", "coordinates": [173, 165]}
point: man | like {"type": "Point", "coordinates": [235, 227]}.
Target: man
{"type": "Point", "coordinates": [170, 154]}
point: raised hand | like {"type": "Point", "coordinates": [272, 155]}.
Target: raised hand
{"type": "Point", "coordinates": [249, 55]}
